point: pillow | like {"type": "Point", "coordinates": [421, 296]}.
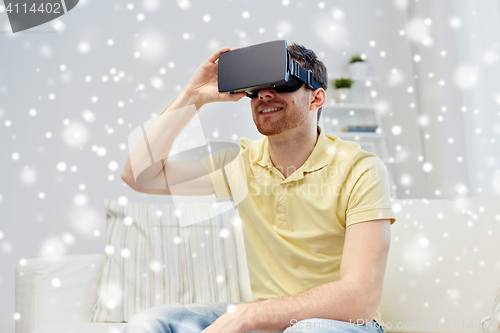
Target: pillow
{"type": "Point", "coordinates": [443, 268]}
{"type": "Point", "coordinates": [151, 260]}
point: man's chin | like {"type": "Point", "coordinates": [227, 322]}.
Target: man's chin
{"type": "Point", "coordinates": [267, 131]}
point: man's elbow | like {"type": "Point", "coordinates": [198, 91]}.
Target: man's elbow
{"type": "Point", "coordinates": [129, 181]}
{"type": "Point", "coordinates": [370, 315]}
{"type": "Point", "coordinates": [365, 312]}
{"type": "Point", "coordinates": [125, 178]}
{"type": "Point", "coordinates": [371, 308]}
{"type": "Point", "coordinates": [365, 301]}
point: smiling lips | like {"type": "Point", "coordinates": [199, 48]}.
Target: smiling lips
{"type": "Point", "coordinates": [269, 110]}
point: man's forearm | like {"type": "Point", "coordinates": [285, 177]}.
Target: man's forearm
{"type": "Point", "coordinates": [184, 98]}
{"type": "Point", "coordinates": [338, 300]}
{"type": "Point", "coordinates": [156, 145]}
{"type": "Point", "coordinates": [160, 137]}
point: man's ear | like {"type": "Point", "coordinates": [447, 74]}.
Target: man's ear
{"type": "Point", "coordinates": [318, 99]}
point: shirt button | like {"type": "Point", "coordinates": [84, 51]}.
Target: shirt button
{"type": "Point", "coordinates": [279, 207]}
{"type": "Point", "coordinates": [282, 185]}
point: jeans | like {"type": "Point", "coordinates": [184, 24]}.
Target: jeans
{"type": "Point", "coordinates": [194, 318]}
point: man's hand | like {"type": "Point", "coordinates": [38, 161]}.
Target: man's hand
{"type": "Point", "coordinates": [230, 321]}
{"type": "Point", "coordinates": [203, 84]}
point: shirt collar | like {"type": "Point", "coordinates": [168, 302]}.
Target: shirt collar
{"type": "Point", "coordinates": [317, 160]}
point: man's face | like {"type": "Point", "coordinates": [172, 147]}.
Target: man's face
{"type": "Point", "coordinates": [292, 110]}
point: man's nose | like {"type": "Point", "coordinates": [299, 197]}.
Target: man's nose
{"type": "Point", "coordinates": [267, 92]}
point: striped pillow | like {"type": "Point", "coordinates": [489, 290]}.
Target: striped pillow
{"type": "Point", "coordinates": [152, 260]}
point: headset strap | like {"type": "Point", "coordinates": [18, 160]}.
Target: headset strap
{"type": "Point", "coordinates": [303, 75]}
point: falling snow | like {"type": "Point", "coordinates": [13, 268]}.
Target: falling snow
{"type": "Point", "coordinates": [87, 86]}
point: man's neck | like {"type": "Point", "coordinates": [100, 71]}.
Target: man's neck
{"type": "Point", "coordinates": [289, 150]}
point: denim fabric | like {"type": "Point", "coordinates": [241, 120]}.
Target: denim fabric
{"type": "Point", "coordinates": [194, 318]}
{"type": "Point", "coordinates": [176, 318]}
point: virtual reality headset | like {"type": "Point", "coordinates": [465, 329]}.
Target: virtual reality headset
{"type": "Point", "coordinates": [266, 65]}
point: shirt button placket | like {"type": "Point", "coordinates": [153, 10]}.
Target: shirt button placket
{"type": "Point", "coordinates": [281, 207]}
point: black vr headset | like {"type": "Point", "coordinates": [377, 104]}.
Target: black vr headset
{"type": "Point", "coordinates": [266, 65]}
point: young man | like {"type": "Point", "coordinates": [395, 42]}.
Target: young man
{"type": "Point", "coordinates": [316, 215]}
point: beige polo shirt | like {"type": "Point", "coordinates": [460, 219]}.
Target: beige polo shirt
{"type": "Point", "coordinates": [294, 228]}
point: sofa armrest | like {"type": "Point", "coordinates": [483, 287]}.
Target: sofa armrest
{"type": "Point", "coordinates": [56, 290]}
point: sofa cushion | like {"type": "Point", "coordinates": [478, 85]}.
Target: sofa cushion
{"type": "Point", "coordinates": [443, 269]}
{"type": "Point", "coordinates": [152, 260]}
{"type": "Point", "coordinates": [56, 290]}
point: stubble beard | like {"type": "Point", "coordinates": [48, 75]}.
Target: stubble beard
{"type": "Point", "coordinates": [286, 122]}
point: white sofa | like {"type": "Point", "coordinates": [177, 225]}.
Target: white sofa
{"type": "Point", "coordinates": [443, 267]}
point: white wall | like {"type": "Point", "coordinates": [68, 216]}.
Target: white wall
{"type": "Point", "coordinates": [461, 98]}
{"type": "Point", "coordinates": [30, 72]}
{"type": "Point", "coordinates": [437, 96]}
{"type": "Point", "coordinates": [477, 40]}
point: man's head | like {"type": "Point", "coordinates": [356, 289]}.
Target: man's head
{"type": "Point", "coordinates": [309, 61]}
{"type": "Point", "coordinates": [293, 108]}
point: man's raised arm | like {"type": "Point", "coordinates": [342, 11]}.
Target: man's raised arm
{"type": "Point", "coordinates": [146, 170]}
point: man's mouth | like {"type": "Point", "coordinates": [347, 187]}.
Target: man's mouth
{"type": "Point", "coordinates": [271, 110]}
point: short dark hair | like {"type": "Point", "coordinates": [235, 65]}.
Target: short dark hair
{"type": "Point", "coordinates": [308, 60]}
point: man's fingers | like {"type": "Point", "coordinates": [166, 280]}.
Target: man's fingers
{"type": "Point", "coordinates": [236, 96]}
{"type": "Point", "coordinates": [216, 54]}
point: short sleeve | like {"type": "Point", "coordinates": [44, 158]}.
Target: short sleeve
{"type": "Point", "coordinates": [214, 164]}
{"type": "Point", "coordinates": [369, 185]}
